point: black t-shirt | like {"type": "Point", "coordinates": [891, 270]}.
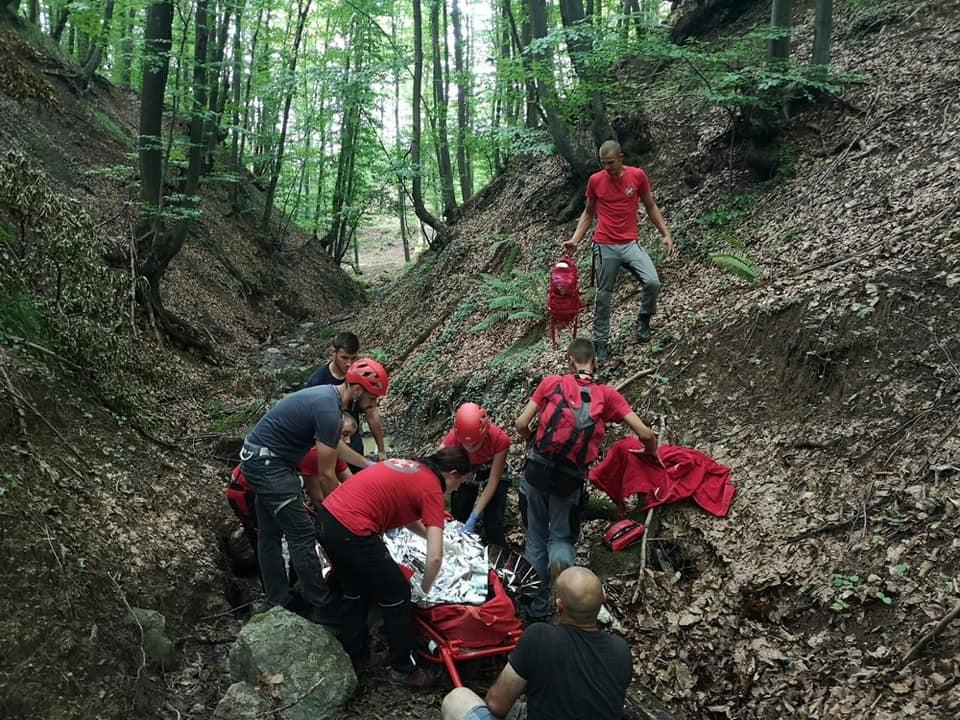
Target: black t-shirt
{"type": "Point", "coordinates": [323, 376]}
{"type": "Point", "coordinates": [573, 674]}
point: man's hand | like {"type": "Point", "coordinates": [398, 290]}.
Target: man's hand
{"type": "Point", "coordinates": [569, 246]}
{"type": "Point", "coordinates": [381, 455]}
{"type": "Point", "coordinates": [669, 246]}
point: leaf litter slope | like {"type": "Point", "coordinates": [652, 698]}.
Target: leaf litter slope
{"type": "Point", "coordinates": [831, 388]}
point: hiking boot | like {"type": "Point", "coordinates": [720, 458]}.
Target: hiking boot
{"type": "Point", "coordinates": [419, 678]}
{"type": "Point", "coordinates": [603, 354]}
{"type": "Point", "coordinates": [643, 328]}
{"type": "Point", "coordinates": [371, 660]}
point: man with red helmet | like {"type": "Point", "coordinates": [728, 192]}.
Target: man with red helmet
{"type": "Point", "coordinates": [308, 418]}
{"type": "Point", "coordinates": [486, 494]}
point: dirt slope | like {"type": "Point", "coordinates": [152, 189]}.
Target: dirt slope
{"type": "Point", "coordinates": [831, 388]}
{"type": "Point", "coordinates": [104, 510]}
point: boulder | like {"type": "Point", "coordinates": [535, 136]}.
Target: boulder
{"type": "Point", "coordinates": [301, 662]}
{"type": "Point", "coordinates": [157, 646]}
{"type": "Point", "coordinates": [241, 703]}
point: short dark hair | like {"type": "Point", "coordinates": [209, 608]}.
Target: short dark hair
{"type": "Point", "coordinates": [582, 351]}
{"type": "Point", "coordinates": [346, 341]}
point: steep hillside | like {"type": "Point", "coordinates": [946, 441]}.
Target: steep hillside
{"type": "Point", "coordinates": [830, 387]}
{"type": "Point", "coordinates": [111, 497]}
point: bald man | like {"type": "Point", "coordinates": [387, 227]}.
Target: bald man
{"type": "Point", "coordinates": [614, 195]}
{"type": "Point", "coordinates": [569, 671]}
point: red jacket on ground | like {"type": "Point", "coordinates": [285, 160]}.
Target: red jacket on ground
{"type": "Point", "coordinates": [627, 470]}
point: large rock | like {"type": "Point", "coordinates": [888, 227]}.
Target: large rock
{"type": "Point", "coordinates": [157, 647]}
{"type": "Point", "coordinates": [241, 703]}
{"type": "Point", "coordinates": [299, 660]}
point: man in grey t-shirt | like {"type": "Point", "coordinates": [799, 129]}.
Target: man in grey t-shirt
{"type": "Point", "coordinates": [304, 419]}
{"type": "Point", "coordinates": [569, 671]}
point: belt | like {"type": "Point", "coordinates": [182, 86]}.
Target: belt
{"type": "Point", "coordinates": [562, 466]}
{"type": "Point", "coordinates": [253, 450]}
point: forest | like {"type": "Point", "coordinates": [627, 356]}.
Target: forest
{"type": "Point", "coordinates": [197, 196]}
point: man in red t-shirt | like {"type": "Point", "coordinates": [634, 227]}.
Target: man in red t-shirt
{"type": "Point", "coordinates": [391, 494]}
{"type": "Point", "coordinates": [553, 480]}
{"type": "Point", "coordinates": [486, 494]}
{"type": "Point", "coordinates": [614, 195]}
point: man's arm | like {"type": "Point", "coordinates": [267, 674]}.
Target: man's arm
{"type": "Point", "coordinates": [644, 433]}
{"type": "Point", "coordinates": [376, 429]}
{"type": "Point", "coordinates": [325, 481]}
{"type": "Point", "coordinates": [505, 690]}
{"type": "Point", "coordinates": [653, 212]}
{"type": "Point", "coordinates": [434, 557]}
{"type": "Point", "coordinates": [351, 456]}
{"type": "Point", "coordinates": [522, 423]}
{"type": "Point", "coordinates": [583, 224]}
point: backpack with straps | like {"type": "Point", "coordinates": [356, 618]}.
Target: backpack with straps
{"type": "Point", "coordinates": [570, 429]}
{"type": "Point", "coordinates": [563, 296]}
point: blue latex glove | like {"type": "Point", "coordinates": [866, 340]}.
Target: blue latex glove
{"type": "Point", "coordinates": [470, 524]}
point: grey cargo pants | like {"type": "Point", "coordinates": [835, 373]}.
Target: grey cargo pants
{"type": "Point", "coordinates": [607, 260]}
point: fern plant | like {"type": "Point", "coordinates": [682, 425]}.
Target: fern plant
{"type": "Point", "coordinates": [736, 265]}
{"type": "Point", "coordinates": [522, 296]}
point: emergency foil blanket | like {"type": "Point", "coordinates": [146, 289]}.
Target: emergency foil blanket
{"type": "Point", "coordinates": [463, 575]}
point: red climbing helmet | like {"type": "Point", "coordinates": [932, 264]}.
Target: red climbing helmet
{"type": "Point", "coordinates": [370, 375]}
{"type": "Point", "coordinates": [471, 424]}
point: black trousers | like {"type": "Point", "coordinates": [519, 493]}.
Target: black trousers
{"type": "Point", "coordinates": [366, 571]}
{"type": "Point", "coordinates": [463, 499]}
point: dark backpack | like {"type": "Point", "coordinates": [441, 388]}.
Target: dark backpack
{"type": "Point", "coordinates": [563, 296]}
{"type": "Point", "coordinates": [569, 429]}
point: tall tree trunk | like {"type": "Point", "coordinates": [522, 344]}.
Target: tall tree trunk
{"type": "Point", "coordinates": [823, 31]}
{"type": "Point", "coordinates": [212, 124]}
{"type": "Point", "coordinates": [417, 183]}
{"type": "Point", "coordinates": [581, 162]}
{"type": "Point", "coordinates": [125, 59]}
{"type": "Point", "coordinates": [157, 40]}
{"type": "Point", "coordinates": [56, 32]}
{"type": "Point", "coordinates": [98, 43]}
{"type": "Point", "coordinates": [322, 150]}
{"type": "Point", "coordinates": [463, 107]}
{"type": "Point", "coordinates": [34, 11]}
{"type": "Point", "coordinates": [338, 235]}
{"type": "Point", "coordinates": [781, 14]}
{"type": "Point", "coordinates": [579, 49]}
{"type": "Point", "coordinates": [444, 166]}
{"type": "Point", "coordinates": [237, 69]}
{"type": "Point", "coordinates": [304, 8]}
{"type": "Point", "coordinates": [401, 190]}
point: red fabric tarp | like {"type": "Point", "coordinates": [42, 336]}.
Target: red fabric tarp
{"type": "Point", "coordinates": [628, 470]}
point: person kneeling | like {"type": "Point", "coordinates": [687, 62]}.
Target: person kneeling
{"type": "Point", "coordinates": [569, 670]}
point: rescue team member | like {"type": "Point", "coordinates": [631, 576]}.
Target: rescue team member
{"type": "Point", "coordinates": [242, 496]}
{"type": "Point", "coordinates": [486, 493]}
{"type": "Point", "coordinates": [309, 417]}
{"type": "Point", "coordinates": [569, 671]}
{"type": "Point", "coordinates": [572, 412]}
{"type": "Point", "coordinates": [614, 195]}
{"type": "Point", "coordinates": [388, 495]}
{"type": "Point", "coordinates": [345, 349]}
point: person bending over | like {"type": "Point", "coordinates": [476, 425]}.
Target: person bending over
{"type": "Point", "coordinates": [391, 494]}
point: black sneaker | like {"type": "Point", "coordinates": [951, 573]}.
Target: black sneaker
{"type": "Point", "coordinates": [603, 354]}
{"type": "Point", "coordinates": [643, 328]}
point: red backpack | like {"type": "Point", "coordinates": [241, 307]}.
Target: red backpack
{"type": "Point", "coordinates": [563, 296]}
{"type": "Point", "coordinates": [569, 426]}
